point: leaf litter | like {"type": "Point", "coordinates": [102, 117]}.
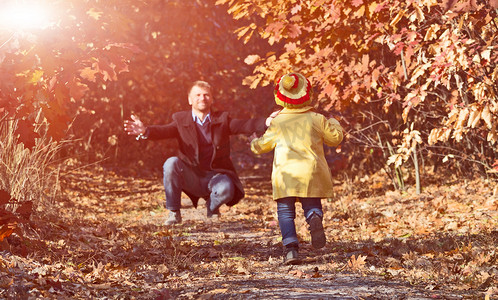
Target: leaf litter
{"type": "Point", "coordinates": [104, 239]}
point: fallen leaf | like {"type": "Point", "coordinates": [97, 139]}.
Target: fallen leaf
{"type": "Point", "coordinates": [357, 263]}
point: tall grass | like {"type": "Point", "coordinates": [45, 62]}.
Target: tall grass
{"type": "Point", "coordinates": [28, 174]}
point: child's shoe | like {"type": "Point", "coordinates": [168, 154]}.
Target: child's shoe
{"type": "Point", "coordinates": [317, 234]}
{"type": "Point", "coordinates": [291, 255]}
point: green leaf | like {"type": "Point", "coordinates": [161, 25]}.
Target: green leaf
{"type": "Point", "coordinates": [406, 235]}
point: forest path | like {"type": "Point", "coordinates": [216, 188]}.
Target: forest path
{"type": "Point", "coordinates": [105, 240]}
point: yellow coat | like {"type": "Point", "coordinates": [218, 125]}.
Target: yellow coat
{"type": "Point", "coordinates": [299, 165]}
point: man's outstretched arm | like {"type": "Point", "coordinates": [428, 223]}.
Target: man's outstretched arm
{"type": "Point", "coordinates": [153, 132]}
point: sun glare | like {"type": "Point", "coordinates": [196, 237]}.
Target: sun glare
{"type": "Point", "coordinates": [24, 15]}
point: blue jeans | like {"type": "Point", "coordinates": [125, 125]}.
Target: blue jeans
{"type": "Point", "coordinates": [286, 210]}
{"type": "Point", "coordinates": [178, 176]}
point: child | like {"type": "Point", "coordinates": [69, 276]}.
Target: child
{"type": "Point", "coordinates": [300, 171]}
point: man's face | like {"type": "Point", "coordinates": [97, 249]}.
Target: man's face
{"type": "Point", "coordinates": [200, 99]}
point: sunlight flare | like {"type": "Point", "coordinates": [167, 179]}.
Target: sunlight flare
{"type": "Point", "coordinates": [21, 15]}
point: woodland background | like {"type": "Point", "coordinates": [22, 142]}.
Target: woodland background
{"type": "Point", "coordinates": [414, 84]}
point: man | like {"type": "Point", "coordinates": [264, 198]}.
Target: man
{"type": "Point", "coordinates": [203, 167]}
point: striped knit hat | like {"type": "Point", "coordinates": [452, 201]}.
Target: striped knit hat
{"type": "Point", "coordinates": [293, 90]}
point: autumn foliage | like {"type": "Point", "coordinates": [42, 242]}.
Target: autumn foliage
{"type": "Point", "coordinates": [414, 84]}
{"type": "Point", "coordinates": [419, 75]}
{"type": "Point", "coordinates": [94, 63]}
{"type": "Point", "coordinates": [404, 78]}
{"type": "Point", "coordinates": [107, 241]}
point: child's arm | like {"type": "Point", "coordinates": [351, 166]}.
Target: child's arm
{"type": "Point", "coordinates": [332, 132]}
{"type": "Point", "coordinates": [266, 143]}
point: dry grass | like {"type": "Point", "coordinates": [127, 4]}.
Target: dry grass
{"type": "Point", "coordinates": [28, 174]}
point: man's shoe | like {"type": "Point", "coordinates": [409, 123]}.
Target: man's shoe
{"type": "Point", "coordinates": [291, 257]}
{"type": "Point", "coordinates": [213, 214]}
{"type": "Point", "coordinates": [317, 234]}
{"type": "Point", "coordinates": [215, 204]}
{"type": "Point", "coordinates": [174, 217]}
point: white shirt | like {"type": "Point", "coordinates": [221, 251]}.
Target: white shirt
{"type": "Point", "coordinates": [198, 120]}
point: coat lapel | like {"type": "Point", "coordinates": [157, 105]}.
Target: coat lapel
{"type": "Point", "coordinates": [188, 132]}
{"type": "Point", "coordinates": [216, 123]}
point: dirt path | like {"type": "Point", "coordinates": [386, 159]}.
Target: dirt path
{"type": "Point", "coordinates": [106, 241]}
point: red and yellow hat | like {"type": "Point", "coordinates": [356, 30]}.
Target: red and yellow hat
{"type": "Point", "coordinates": [293, 90]}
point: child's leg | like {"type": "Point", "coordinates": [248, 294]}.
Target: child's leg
{"type": "Point", "coordinates": [286, 210]}
{"type": "Point", "coordinates": [314, 214]}
{"type": "Point", "coordinates": [310, 206]}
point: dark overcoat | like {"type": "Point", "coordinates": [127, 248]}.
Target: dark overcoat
{"type": "Point", "coordinates": [222, 126]}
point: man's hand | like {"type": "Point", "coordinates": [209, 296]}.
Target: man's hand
{"type": "Point", "coordinates": [134, 127]}
{"type": "Point", "coordinates": [271, 117]}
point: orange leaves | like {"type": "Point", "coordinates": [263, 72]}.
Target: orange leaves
{"type": "Point", "coordinates": [365, 60]}
{"type": "Point", "coordinates": [26, 133]}
{"type": "Point", "coordinates": [421, 248]}
{"type": "Point", "coordinates": [300, 274]}
{"type": "Point", "coordinates": [274, 30]}
{"type": "Point", "coordinates": [431, 33]}
{"type": "Point", "coordinates": [360, 12]}
{"type": "Point", "coordinates": [6, 230]}
{"type": "Point", "coordinates": [94, 13]}
{"type": "Point", "coordinates": [9, 218]}
{"type": "Point", "coordinates": [439, 134]}
{"type": "Point", "coordinates": [494, 170]}
{"type": "Point", "coordinates": [246, 32]}
{"type": "Point", "coordinates": [252, 59]}
{"type": "Point", "coordinates": [77, 89]}
{"type": "Point", "coordinates": [296, 9]}
{"type": "Point", "coordinates": [417, 72]}
{"type": "Point", "coordinates": [36, 76]}
{"type": "Point", "coordinates": [460, 120]}
{"type": "Point", "coordinates": [411, 138]}
{"type": "Point", "coordinates": [486, 116]}
{"type": "Point", "coordinates": [331, 92]}
{"type": "Point", "coordinates": [430, 54]}
{"type": "Point", "coordinates": [105, 68]}
{"type": "Point", "coordinates": [398, 17]}
{"type": "Point", "coordinates": [357, 3]}
{"type": "Point", "coordinates": [109, 239]}
{"type": "Point", "coordinates": [252, 81]}
{"type": "Point", "coordinates": [242, 31]}
{"type": "Point", "coordinates": [88, 73]}
{"type": "Point", "coordinates": [53, 66]}
{"type": "Point", "coordinates": [238, 9]}
{"type": "Point", "coordinates": [418, 14]}
{"type": "Point", "coordinates": [474, 117]}
{"type": "Point", "coordinates": [293, 30]}
{"type": "Point", "coordinates": [315, 273]}
{"type": "Point", "coordinates": [109, 62]}
{"type": "Point", "coordinates": [357, 263]}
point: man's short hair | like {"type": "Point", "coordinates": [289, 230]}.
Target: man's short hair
{"type": "Point", "coordinates": [201, 84]}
